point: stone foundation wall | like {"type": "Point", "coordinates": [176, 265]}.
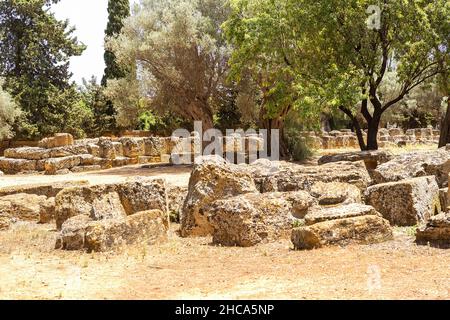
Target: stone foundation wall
{"type": "Point", "coordinates": [387, 137]}
{"type": "Point", "coordinates": [62, 154]}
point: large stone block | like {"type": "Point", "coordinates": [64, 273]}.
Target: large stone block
{"type": "Point", "coordinates": [407, 202]}
{"type": "Point", "coordinates": [28, 153]}
{"type": "Point", "coordinates": [111, 200]}
{"type": "Point", "coordinates": [42, 189]}
{"type": "Point", "coordinates": [81, 232]}
{"type": "Point", "coordinates": [415, 164]}
{"type": "Point", "coordinates": [12, 166]}
{"type": "Point", "coordinates": [133, 147]}
{"type": "Point", "coordinates": [68, 151]}
{"type": "Point", "coordinates": [52, 166]}
{"type": "Point", "coordinates": [58, 140]}
{"type": "Point", "coordinates": [25, 207]}
{"type": "Point", "coordinates": [106, 148]}
{"type": "Point", "coordinates": [304, 177]}
{"type": "Point", "coordinates": [154, 146]}
{"type": "Point", "coordinates": [436, 232]}
{"type": "Point", "coordinates": [364, 229]}
{"type": "Point", "coordinates": [253, 218]}
{"type": "Point", "coordinates": [212, 178]}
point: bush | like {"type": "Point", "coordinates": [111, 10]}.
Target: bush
{"type": "Point", "coordinates": [9, 112]}
{"type": "Point", "coordinates": [299, 148]}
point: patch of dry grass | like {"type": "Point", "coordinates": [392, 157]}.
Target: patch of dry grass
{"type": "Point", "coordinates": [192, 268]}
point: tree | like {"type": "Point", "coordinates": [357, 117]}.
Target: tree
{"type": "Point", "coordinates": [180, 54]}
{"type": "Point", "coordinates": [333, 57]}
{"type": "Point", "coordinates": [9, 112]}
{"type": "Point", "coordinates": [406, 41]}
{"type": "Point", "coordinates": [94, 97]}
{"type": "Point", "coordinates": [118, 11]}
{"type": "Point", "coordinates": [35, 48]}
{"type": "Point", "coordinates": [260, 34]}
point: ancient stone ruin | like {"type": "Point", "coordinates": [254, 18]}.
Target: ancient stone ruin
{"type": "Point", "coordinates": [334, 203]}
{"type": "Point", "coordinates": [345, 138]}
{"type": "Point", "coordinates": [62, 154]}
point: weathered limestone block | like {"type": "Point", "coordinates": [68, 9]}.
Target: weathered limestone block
{"type": "Point", "coordinates": [52, 166]}
{"type": "Point", "coordinates": [86, 142]}
{"type": "Point", "coordinates": [80, 232]}
{"type": "Point", "coordinates": [132, 147]}
{"type": "Point", "coordinates": [407, 202]}
{"type": "Point", "coordinates": [122, 161]}
{"type": "Point", "coordinates": [396, 132]}
{"type": "Point", "coordinates": [371, 158]}
{"type": "Point", "coordinates": [212, 178]}
{"type": "Point", "coordinates": [118, 147]}
{"type": "Point", "coordinates": [23, 207]}
{"type": "Point", "coordinates": [58, 140]}
{"type": "Point", "coordinates": [149, 227]}
{"type": "Point", "coordinates": [86, 159]}
{"type": "Point", "coordinates": [333, 193]}
{"type": "Point", "coordinates": [42, 189]}
{"type": "Point", "coordinates": [362, 230]}
{"type": "Point", "coordinates": [154, 146]}
{"type": "Point", "coordinates": [97, 202]}
{"type": "Point", "coordinates": [47, 210]}
{"type": "Point", "coordinates": [329, 142]}
{"type": "Point", "coordinates": [94, 150]}
{"type": "Point", "coordinates": [143, 195]}
{"type": "Point", "coordinates": [436, 232]}
{"type": "Point", "coordinates": [415, 164]}
{"type": "Point", "coordinates": [73, 232]}
{"type": "Point", "coordinates": [175, 199]}
{"type": "Point", "coordinates": [86, 168]}
{"type": "Point", "coordinates": [111, 200]}
{"type": "Point", "coordinates": [149, 159]}
{"type": "Point", "coordinates": [12, 166]}
{"type": "Point", "coordinates": [28, 153]}
{"type": "Point", "coordinates": [107, 150]}
{"type": "Point", "coordinates": [249, 219]}
{"type": "Point", "coordinates": [321, 214]}
{"type": "Point", "coordinates": [68, 151]}
{"type": "Point", "coordinates": [103, 163]}
{"type": "Point", "coordinates": [336, 133]}
{"type": "Point", "coordinates": [304, 177]}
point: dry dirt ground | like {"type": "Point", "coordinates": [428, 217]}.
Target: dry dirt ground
{"type": "Point", "coordinates": [194, 269]}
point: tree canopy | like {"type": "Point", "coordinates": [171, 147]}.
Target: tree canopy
{"type": "Point", "coordinates": [35, 48]}
{"type": "Point", "coordinates": [180, 53]}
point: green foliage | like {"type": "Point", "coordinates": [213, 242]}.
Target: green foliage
{"type": "Point", "coordinates": [180, 54]}
{"type": "Point", "coordinates": [94, 98]}
{"type": "Point", "coordinates": [298, 148]}
{"type": "Point", "coordinates": [127, 100]}
{"type": "Point", "coordinates": [118, 11]}
{"type": "Point", "coordinates": [317, 55]}
{"type": "Point", "coordinates": [35, 48]}
{"type": "Point", "coordinates": [9, 112]}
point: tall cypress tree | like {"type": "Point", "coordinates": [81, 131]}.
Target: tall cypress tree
{"type": "Point", "coordinates": [118, 10]}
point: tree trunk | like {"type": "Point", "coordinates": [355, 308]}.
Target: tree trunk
{"type": "Point", "coordinates": [372, 133]}
{"type": "Point", "coordinates": [445, 128]}
{"type": "Point", "coordinates": [270, 124]}
{"type": "Point", "coordinates": [356, 127]}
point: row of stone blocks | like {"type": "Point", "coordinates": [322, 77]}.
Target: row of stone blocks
{"type": "Point", "coordinates": [386, 137]}
{"type": "Point", "coordinates": [62, 154]}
